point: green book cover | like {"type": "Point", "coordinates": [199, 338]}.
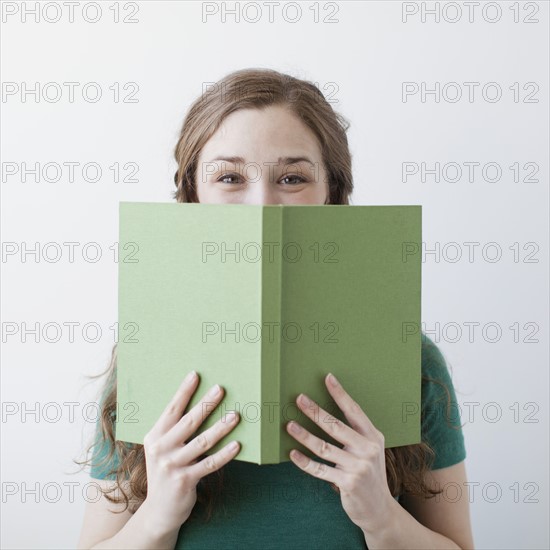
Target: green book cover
{"type": "Point", "coordinates": [265, 301]}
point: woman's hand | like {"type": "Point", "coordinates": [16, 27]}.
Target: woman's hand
{"type": "Point", "coordinates": [360, 466]}
{"type": "Point", "coordinates": [171, 460]}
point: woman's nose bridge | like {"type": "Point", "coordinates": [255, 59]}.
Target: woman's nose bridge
{"type": "Point", "coordinates": [263, 189]}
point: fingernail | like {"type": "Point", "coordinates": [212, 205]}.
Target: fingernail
{"type": "Point", "coordinates": [191, 376]}
{"type": "Point", "coordinates": [215, 390]}
{"type": "Point", "coordinates": [297, 456]}
{"type": "Point", "coordinates": [332, 380]}
{"type": "Point", "coordinates": [294, 427]}
{"type": "Point", "coordinates": [305, 400]}
{"type": "Point", "coordinates": [231, 416]}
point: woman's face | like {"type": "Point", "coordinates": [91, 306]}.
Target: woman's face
{"type": "Point", "coordinates": [264, 156]}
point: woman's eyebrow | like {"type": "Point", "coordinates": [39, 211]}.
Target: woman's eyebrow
{"type": "Point", "coordinates": [284, 160]}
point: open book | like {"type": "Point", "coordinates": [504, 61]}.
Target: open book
{"type": "Point", "coordinates": [265, 301]}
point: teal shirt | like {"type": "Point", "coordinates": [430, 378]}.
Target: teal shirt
{"type": "Point", "coordinates": [279, 505]}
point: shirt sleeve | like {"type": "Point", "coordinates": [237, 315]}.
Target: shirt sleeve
{"type": "Point", "coordinates": [441, 425]}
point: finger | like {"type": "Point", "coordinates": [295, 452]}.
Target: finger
{"type": "Point", "coordinates": [319, 446]}
{"type": "Point", "coordinates": [354, 414]}
{"type": "Point", "coordinates": [190, 422]}
{"type": "Point", "coordinates": [333, 426]}
{"type": "Point", "coordinates": [317, 469]}
{"type": "Point", "coordinates": [176, 406]}
{"type": "Point", "coordinates": [214, 462]}
{"type": "Point", "coordinates": [207, 439]}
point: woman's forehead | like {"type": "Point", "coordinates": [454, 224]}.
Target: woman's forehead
{"type": "Point", "coordinates": [274, 131]}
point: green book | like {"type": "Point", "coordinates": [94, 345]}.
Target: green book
{"type": "Point", "coordinates": [266, 301]}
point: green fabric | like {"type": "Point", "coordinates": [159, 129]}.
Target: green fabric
{"type": "Point", "coordinates": [279, 505]}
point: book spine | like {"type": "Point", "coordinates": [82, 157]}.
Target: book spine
{"type": "Point", "coordinates": [271, 333]}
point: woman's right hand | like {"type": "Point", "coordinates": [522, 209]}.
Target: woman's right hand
{"type": "Point", "coordinates": [171, 460]}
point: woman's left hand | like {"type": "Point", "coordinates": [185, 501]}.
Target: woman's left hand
{"type": "Point", "coordinates": [360, 466]}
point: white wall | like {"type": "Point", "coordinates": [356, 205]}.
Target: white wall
{"type": "Point", "coordinates": [364, 58]}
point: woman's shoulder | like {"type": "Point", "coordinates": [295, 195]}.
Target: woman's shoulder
{"type": "Point", "coordinates": [435, 367]}
{"type": "Point", "coordinates": [432, 357]}
{"type": "Point", "coordinates": [441, 422]}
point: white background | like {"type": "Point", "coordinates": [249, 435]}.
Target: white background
{"type": "Point", "coordinates": [363, 58]}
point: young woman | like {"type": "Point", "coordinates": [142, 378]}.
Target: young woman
{"type": "Point", "coordinates": [167, 495]}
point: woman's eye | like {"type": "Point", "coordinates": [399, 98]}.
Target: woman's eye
{"type": "Point", "coordinates": [295, 180]}
{"type": "Point", "coordinates": [228, 177]}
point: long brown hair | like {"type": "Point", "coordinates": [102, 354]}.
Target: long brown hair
{"type": "Point", "coordinates": [406, 466]}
